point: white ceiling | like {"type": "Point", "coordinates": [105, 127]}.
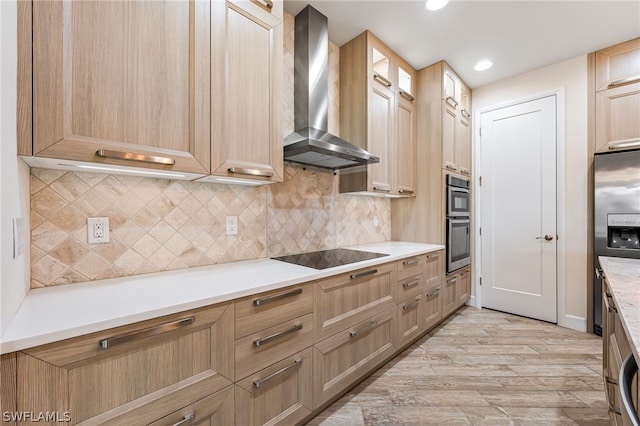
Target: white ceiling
{"type": "Point", "coordinates": [518, 36]}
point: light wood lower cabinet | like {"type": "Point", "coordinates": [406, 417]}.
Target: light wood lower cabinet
{"type": "Point", "coordinates": [278, 395]}
{"type": "Point", "coordinates": [343, 301]}
{"type": "Point", "coordinates": [434, 268]}
{"type": "Point", "coordinates": [432, 312]}
{"type": "Point", "coordinates": [463, 286]}
{"type": "Point", "coordinates": [410, 318]}
{"type": "Point", "coordinates": [135, 374]}
{"type": "Point", "coordinates": [216, 409]}
{"type": "Point", "coordinates": [457, 290]}
{"type": "Point", "coordinates": [450, 298]}
{"type": "Point", "coordinates": [347, 356]}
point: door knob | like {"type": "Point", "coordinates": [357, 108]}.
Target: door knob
{"type": "Point", "coordinates": [546, 237]}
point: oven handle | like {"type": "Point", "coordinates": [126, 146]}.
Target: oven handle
{"type": "Point", "coordinates": [458, 189]}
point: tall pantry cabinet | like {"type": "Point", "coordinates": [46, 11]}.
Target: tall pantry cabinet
{"type": "Point", "coordinates": [163, 85]}
{"type": "Point", "coordinates": [444, 146]}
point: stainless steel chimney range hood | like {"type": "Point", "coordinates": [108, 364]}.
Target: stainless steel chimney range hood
{"type": "Point", "coordinates": [311, 143]}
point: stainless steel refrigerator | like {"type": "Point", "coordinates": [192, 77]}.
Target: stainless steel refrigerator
{"type": "Point", "coordinates": [616, 214]}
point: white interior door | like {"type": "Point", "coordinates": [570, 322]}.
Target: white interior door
{"type": "Point", "coordinates": [518, 214]}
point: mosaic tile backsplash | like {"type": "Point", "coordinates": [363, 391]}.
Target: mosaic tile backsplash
{"type": "Point", "coordinates": [159, 225]}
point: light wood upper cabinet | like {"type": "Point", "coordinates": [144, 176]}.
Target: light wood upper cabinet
{"type": "Point", "coordinates": [128, 78]}
{"type": "Point", "coordinates": [378, 113]}
{"type": "Point", "coordinates": [456, 122]}
{"type": "Point", "coordinates": [246, 112]}
{"type": "Point", "coordinates": [616, 83]}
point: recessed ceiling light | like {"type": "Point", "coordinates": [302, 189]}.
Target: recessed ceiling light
{"type": "Point", "coordinates": [483, 65]}
{"type": "Point", "coordinates": [436, 4]}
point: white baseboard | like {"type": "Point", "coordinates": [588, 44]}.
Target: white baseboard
{"type": "Point", "coordinates": [573, 322]}
{"type": "Point", "coordinates": [472, 301]}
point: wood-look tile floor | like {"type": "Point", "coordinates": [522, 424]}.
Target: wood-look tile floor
{"type": "Point", "coordinates": [482, 367]}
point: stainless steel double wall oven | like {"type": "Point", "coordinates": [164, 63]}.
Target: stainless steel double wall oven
{"type": "Point", "coordinates": [458, 223]}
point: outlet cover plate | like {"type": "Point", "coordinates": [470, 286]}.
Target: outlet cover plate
{"type": "Point", "coordinates": [97, 230]}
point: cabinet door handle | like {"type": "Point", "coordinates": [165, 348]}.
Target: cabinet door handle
{"type": "Point", "coordinates": [264, 3]}
{"type": "Point", "coordinates": [630, 79]}
{"type": "Point", "coordinates": [367, 327]}
{"type": "Point", "coordinates": [612, 309]}
{"type": "Point", "coordinates": [410, 305]}
{"type": "Point", "coordinates": [433, 293]}
{"type": "Point", "coordinates": [451, 101]}
{"type": "Point", "coordinates": [405, 191]}
{"type": "Point", "coordinates": [451, 167]}
{"type": "Point", "coordinates": [628, 369]}
{"type": "Point", "coordinates": [186, 419]}
{"type": "Point", "coordinates": [406, 95]}
{"type": "Point", "coordinates": [383, 188]}
{"type": "Point", "coordinates": [613, 409]}
{"type": "Point", "coordinates": [411, 283]}
{"type": "Point", "coordinates": [363, 274]}
{"type": "Point", "coordinates": [624, 143]}
{"type": "Point", "coordinates": [380, 79]}
{"type": "Point", "coordinates": [280, 296]}
{"type": "Point", "coordinates": [611, 380]}
{"type": "Point", "coordinates": [464, 274]}
{"type": "Point", "coordinates": [433, 256]}
{"type": "Point", "coordinates": [465, 113]}
{"type": "Point", "coordinates": [251, 172]}
{"type": "Point", "coordinates": [132, 156]}
{"type": "Point", "coordinates": [152, 331]}
{"type": "Point", "coordinates": [452, 281]}
{"type": "Point", "coordinates": [259, 382]}
{"type": "Point", "coordinates": [411, 261]}
{"type": "Point", "coordinates": [275, 336]}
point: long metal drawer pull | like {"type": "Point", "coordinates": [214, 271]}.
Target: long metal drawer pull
{"type": "Point", "coordinates": [380, 79]}
{"type": "Point", "coordinates": [411, 261]}
{"type": "Point", "coordinates": [152, 331]}
{"type": "Point", "coordinates": [613, 409]}
{"type": "Point", "coordinates": [451, 101]}
{"type": "Point", "coordinates": [411, 283]}
{"type": "Point", "coordinates": [275, 297]}
{"type": "Point", "coordinates": [367, 327]}
{"type": "Point", "coordinates": [452, 281]}
{"type": "Point", "coordinates": [405, 191]}
{"type": "Point", "coordinates": [252, 172]}
{"type": "Point", "coordinates": [410, 305]}
{"type": "Point", "coordinates": [433, 293]}
{"type": "Point", "coordinates": [630, 79]}
{"type": "Point", "coordinates": [612, 309]}
{"type": "Point", "coordinates": [624, 143]}
{"type": "Point", "coordinates": [450, 167]}
{"type": "Point", "coordinates": [465, 172]}
{"type": "Point", "coordinates": [383, 188]}
{"type": "Point", "coordinates": [268, 339]}
{"type": "Point", "coordinates": [628, 369]}
{"type": "Point", "coordinates": [464, 274]}
{"type": "Point", "coordinates": [266, 3]}
{"type": "Point", "coordinates": [611, 380]}
{"type": "Point", "coordinates": [433, 256]}
{"type": "Point", "coordinates": [260, 382]}
{"type": "Point", "coordinates": [363, 274]}
{"type": "Point", "coordinates": [132, 156]}
{"type": "Point", "coordinates": [406, 95]}
{"type": "Point", "coordinates": [465, 113]}
{"type": "Point", "coordinates": [186, 419]}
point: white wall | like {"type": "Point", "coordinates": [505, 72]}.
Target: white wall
{"type": "Point", "coordinates": [570, 75]}
{"type": "Point", "coordinates": [14, 176]}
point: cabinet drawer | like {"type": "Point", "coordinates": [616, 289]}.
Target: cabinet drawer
{"type": "Point", "coordinates": [278, 395]}
{"type": "Point", "coordinates": [410, 317]}
{"type": "Point", "coordinates": [410, 287]}
{"type": "Point", "coordinates": [432, 307]}
{"type": "Point", "coordinates": [450, 297]}
{"type": "Point", "coordinates": [342, 359]}
{"type": "Point", "coordinates": [255, 313]}
{"type": "Point", "coordinates": [216, 409]}
{"type": "Point", "coordinates": [411, 266]}
{"type": "Point", "coordinates": [261, 349]}
{"type": "Point", "coordinates": [163, 364]}
{"type": "Point", "coordinates": [434, 268]}
{"type": "Point", "coordinates": [345, 300]}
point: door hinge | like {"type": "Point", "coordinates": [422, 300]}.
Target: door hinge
{"type": "Point", "coordinates": [481, 230]}
{"type": "Point", "coordinates": [480, 131]}
{"type": "Point", "coordinates": [480, 280]}
{"type": "Point", "coordinates": [480, 181]}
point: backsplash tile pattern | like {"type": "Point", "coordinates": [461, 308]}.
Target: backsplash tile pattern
{"type": "Point", "coordinates": [155, 224]}
{"type": "Point", "coordinates": [159, 225]}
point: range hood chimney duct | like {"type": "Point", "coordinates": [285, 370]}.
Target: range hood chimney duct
{"type": "Point", "coordinates": [311, 143]}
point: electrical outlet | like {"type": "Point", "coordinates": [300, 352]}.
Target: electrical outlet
{"type": "Point", "coordinates": [18, 237]}
{"type": "Point", "coordinates": [97, 230]}
{"type": "Point", "coordinates": [232, 225]}
{"type": "Point", "coordinates": [375, 221]}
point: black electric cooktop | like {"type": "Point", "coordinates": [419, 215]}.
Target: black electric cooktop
{"type": "Point", "coordinates": [329, 258]}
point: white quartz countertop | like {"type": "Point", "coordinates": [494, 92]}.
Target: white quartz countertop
{"type": "Point", "coordinates": [623, 276]}
{"type": "Point", "coordinates": [55, 313]}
